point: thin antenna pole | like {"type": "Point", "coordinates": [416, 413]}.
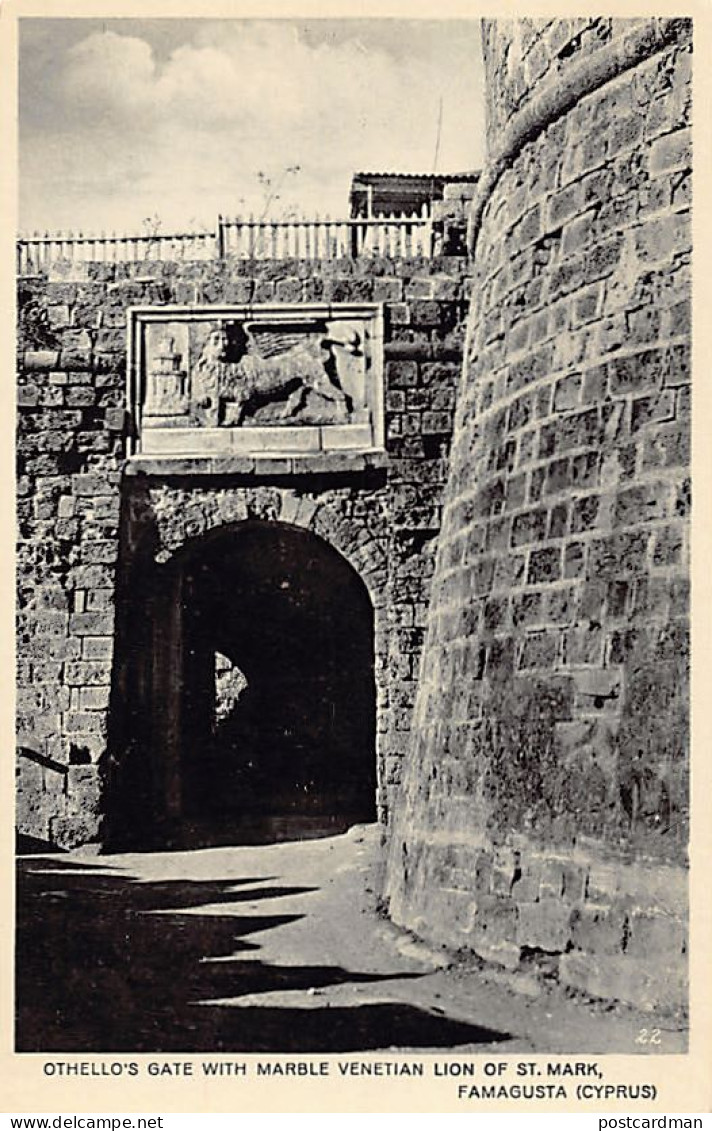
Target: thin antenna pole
{"type": "Point", "coordinates": [438, 135]}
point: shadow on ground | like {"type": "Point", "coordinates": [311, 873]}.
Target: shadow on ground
{"type": "Point", "coordinates": [109, 964]}
{"type": "Point", "coordinates": [31, 845]}
{"type": "Point", "coordinates": [220, 831]}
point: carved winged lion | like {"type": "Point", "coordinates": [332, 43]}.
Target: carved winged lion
{"type": "Point", "coordinates": [267, 365]}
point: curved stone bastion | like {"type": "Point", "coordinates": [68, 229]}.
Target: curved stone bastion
{"type": "Point", "coordinates": [542, 821]}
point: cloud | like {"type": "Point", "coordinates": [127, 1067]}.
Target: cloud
{"type": "Point", "coordinates": [108, 73]}
{"type": "Point", "coordinates": [262, 74]}
{"type": "Point", "coordinates": [190, 127]}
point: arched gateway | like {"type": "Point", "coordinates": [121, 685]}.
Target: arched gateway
{"type": "Point", "coordinates": [254, 703]}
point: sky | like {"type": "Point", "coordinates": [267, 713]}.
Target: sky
{"type": "Point", "coordinates": [171, 121]}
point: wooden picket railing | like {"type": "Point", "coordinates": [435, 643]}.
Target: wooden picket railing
{"type": "Point", "coordinates": [326, 238]}
{"type": "Point", "coordinates": [37, 253]}
{"type": "Point", "coordinates": [236, 238]}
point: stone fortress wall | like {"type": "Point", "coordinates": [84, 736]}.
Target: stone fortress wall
{"type": "Point", "coordinates": [82, 512]}
{"type": "Point", "coordinates": [543, 817]}
{"type": "Point", "coordinates": [533, 745]}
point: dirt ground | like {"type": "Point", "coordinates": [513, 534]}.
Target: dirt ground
{"type": "Point", "coordinates": [276, 948]}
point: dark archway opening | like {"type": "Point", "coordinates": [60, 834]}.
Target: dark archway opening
{"type": "Point", "coordinates": [260, 717]}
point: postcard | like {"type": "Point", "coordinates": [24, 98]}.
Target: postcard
{"type": "Point", "coordinates": [360, 711]}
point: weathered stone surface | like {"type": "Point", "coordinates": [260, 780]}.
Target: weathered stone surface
{"type": "Point", "coordinates": [537, 781]}
{"type": "Point", "coordinates": [84, 511]}
{"type": "Point", "coordinates": [564, 520]}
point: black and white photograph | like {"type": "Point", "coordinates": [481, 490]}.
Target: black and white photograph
{"type": "Point", "coordinates": [353, 531]}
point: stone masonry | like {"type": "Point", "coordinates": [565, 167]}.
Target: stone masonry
{"type": "Point", "coordinates": [543, 817]}
{"type": "Point", "coordinates": [529, 584]}
{"type": "Point", "coordinates": [85, 514]}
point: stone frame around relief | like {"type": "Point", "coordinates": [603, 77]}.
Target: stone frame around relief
{"type": "Point", "coordinates": [166, 362]}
